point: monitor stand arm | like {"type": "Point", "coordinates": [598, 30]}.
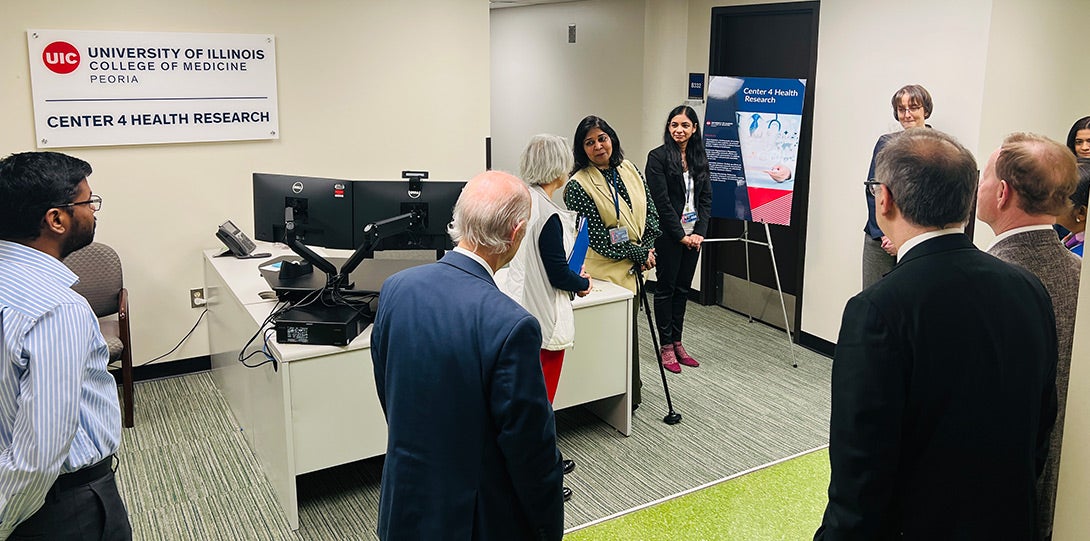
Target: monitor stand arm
{"type": "Point", "coordinates": [373, 233]}
{"type": "Point", "coordinates": [298, 247]}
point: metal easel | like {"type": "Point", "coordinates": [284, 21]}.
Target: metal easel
{"type": "Point", "coordinates": [775, 272]}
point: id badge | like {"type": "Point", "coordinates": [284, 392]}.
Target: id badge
{"type": "Point", "coordinates": [617, 235]}
{"type": "Point", "coordinates": [688, 217]}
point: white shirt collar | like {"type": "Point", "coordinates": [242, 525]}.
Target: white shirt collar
{"type": "Point", "coordinates": [915, 241]}
{"type": "Point", "coordinates": [476, 258]}
{"type": "Point", "coordinates": [1012, 232]}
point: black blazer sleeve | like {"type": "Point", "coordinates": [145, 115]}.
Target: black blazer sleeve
{"type": "Point", "coordinates": [703, 189]}
{"type": "Point", "coordinates": [657, 184]}
{"type": "Point", "coordinates": [869, 382]}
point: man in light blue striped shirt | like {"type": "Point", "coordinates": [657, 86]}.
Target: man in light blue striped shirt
{"type": "Point", "coordinates": [60, 423]}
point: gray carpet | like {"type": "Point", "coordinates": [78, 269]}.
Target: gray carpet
{"type": "Point", "coordinates": [186, 472]}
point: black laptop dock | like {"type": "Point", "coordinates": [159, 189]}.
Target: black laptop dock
{"type": "Point", "coordinates": [321, 325]}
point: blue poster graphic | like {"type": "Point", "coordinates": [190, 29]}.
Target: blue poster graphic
{"type": "Point", "coordinates": [751, 135]}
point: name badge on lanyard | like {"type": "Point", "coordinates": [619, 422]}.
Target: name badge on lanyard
{"type": "Point", "coordinates": [689, 215]}
{"type": "Point", "coordinates": [619, 234]}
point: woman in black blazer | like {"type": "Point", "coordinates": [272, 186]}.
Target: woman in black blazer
{"type": "Point", "coordinates": [677, 177]}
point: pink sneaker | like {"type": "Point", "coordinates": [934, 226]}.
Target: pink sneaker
{"type": "Point", "coordinates": [669, 359]}
{"type": "Point", "coordinates": [682, 356]}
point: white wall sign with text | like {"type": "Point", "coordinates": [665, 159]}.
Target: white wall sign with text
{"type": "Point", "coordinates": [130, 88]}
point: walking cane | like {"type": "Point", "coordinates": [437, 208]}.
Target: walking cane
{"type": "Point", "coordinates": [672, 417]}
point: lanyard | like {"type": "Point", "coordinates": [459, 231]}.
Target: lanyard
{"type": "Point", "coordinates": [614, 191]}
{"type": "Point", "coordinates": [687, 179]}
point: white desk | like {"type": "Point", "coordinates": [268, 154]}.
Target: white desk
{"type": "Point", "coordinates": [320, 409]}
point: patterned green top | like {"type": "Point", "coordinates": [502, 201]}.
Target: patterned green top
{"type": "Point", "coordinates": [578, 200]}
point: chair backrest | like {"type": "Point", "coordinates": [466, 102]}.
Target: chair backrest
{"type": "Point", "coordinates": [99, 271]}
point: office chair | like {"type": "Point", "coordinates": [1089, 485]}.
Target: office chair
{"type": "Point", "coordinates": [100, 282]}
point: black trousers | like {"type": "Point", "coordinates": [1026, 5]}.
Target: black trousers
{"type": "Point", "coordinates": [82, 505]}
{"type": "Point", "coordinates": [674, 270]}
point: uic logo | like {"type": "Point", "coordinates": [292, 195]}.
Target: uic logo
{"type": "Point", "coordinates": [61, 57]}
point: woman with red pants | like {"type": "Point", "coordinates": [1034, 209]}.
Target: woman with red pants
{"type": "Point", "coordinates": [538, 277]}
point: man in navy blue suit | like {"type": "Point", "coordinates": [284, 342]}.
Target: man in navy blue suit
{"type": "Point", "coordinates": [471, 452]}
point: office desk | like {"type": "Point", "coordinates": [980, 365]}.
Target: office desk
{"type": "Point", "coordinates": [319, 407]}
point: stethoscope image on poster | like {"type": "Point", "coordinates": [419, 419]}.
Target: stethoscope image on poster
{"type": "Point", "coordinates": [752, 127]}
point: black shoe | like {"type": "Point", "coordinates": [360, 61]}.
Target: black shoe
{"type": "Point", "coordinates": [635, 406]}
{"type": "Point", "coordinates": [568, 465]}
{"type": "Point", "coordinates": [566, 492]}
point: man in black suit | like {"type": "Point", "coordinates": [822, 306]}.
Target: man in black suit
{"type": "Point", "coordinates": [471, 451]}
{"type": "Point", "coordinates": [943, 387]}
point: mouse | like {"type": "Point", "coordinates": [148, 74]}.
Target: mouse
{"type": "Point", "coordinates": [267, 295]}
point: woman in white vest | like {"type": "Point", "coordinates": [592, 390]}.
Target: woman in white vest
{"type": "Point", "coordinates": [623, 224]}
{"type": "Point", "coordinates": [538, 277]}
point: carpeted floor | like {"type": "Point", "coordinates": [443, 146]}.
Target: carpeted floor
{"type": "Point", "coordinates": [186, 472]}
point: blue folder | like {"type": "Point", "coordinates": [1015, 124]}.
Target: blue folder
{"type": "Point", "coordinates": [579, 250]}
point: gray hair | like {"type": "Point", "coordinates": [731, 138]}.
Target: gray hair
{"type": "Point", "coordinates": [489, 209]}
{"type": "Point", "coordinates": [545, 159]}
{"type": "Point", "coordinates": [930, 176]}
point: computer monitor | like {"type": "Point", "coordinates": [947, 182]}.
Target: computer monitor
{"type": "Point", "coordinates": [377, 200]}
{"type": "Point", "coordinates": [322, 209]}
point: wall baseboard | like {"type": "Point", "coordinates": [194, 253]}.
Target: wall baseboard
{"type": "Point", "coordinates": [817, 345]}
{"type": "Point", "coordinates": [168, 369]}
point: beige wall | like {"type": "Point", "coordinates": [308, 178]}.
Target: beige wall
{"type": "Point", "coordinates": [543, 84]}
{"type": "Point", "coordinates": [1072, 520]}
{"type": "Point", "coordinates": [1036, 76]}
{"type": "Point", "coordinates": [665, 67]}
{"type": "Point", "coordinates": [983, 61]}
{"type": "Point", "coordinates": [860, 66]}
{"type": "Point", "coordinates": [366, 89]}
{"type": "Point", "coordinates": [851, 110]}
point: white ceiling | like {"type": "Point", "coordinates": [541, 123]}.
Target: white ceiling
{"type": "Point", "coordinates": [497, 4]}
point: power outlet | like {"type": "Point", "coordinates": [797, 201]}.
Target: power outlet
{"type": "Point", "coordinates": [196, 297]}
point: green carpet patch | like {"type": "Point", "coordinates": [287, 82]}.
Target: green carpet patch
{"type": "Point", "coordinates": [784, 501]}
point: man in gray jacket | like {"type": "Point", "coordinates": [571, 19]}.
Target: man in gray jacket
{"type": "Point", "coordinates": [1027, 183]}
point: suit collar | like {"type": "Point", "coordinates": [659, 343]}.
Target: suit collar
{"type": "Point", "coordinates": [934, 245]}
{"type": "Point", "coordinates": [467, 264]}
{"type": "Point", "coordinates": [905, 247]}
{"type": "Point", "coordinates": [1024, 229]}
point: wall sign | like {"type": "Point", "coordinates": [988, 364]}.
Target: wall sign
{"type": "Point", "coordinates": [129, 88]}
{"type": "Point", "coordinates": [696, 86]}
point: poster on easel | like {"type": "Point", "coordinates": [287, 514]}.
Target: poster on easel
{"type": "Point", "coordinates": [751, 135]}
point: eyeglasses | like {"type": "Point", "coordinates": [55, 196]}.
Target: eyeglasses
{"type": "Point", "coordinates": [95, 202]}
{"type": "Point", "coordinates": [873, 187]}
{"type": "Point", "coordinates": [911, 108]}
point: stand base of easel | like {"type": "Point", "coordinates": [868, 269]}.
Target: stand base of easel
{"type": "Point", "coordinates": [775, 272]}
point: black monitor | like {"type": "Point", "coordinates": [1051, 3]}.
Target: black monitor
{"type": "Point", "coordinates": [322, 209]}
{"type": "Point", "coordinates": [377, 200]}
